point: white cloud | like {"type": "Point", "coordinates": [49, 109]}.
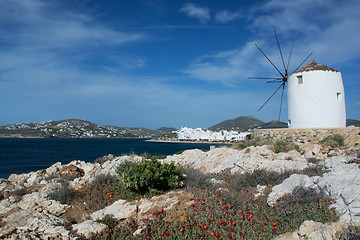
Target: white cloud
{"type": "Point", "coordinates": [192, 10]}
{"type": "Point", "coordinates": [226, 16]}
{"type": "Point", "coordinates": [327, 27]}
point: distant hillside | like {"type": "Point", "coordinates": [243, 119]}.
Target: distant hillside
{"type": "Point", "coordinates": [242, 123]}
{"type": "Point", "coordinates": [352, 122]}
{"type": "Point", "coordinates": [73, 128]}
{"type": "Point", "coordinates": [274, 124]}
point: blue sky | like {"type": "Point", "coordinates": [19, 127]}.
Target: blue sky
{"type": "Point", "coordinates": [154, 63]}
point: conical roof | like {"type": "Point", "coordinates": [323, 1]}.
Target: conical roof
{"type": "Point", "coordinates": [314, 66]}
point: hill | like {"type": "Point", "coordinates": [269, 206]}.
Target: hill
{"type": "Point", "coordinates": [242, 123]}
{"type": "Point", "coordinates": [74, 128]}
{"type": "Point", "coordinates": [352, 122]}
{"type": "Point", "coordinates": [274, 124]}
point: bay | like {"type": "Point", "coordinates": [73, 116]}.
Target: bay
{"type": "Point", "coordinates": [22, 155]}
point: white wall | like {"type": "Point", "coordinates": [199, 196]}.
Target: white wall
{"type": "Point", "coordinates": [316, 103]}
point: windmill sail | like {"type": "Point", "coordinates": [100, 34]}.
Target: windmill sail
{"type": "Point", "coordinates": [284, 76]}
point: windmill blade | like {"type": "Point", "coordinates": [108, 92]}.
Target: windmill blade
{"type": "Point", "coordinates": [271, 96]}
{"type": "Point", "coordinates": [277, 40]}
{"type": "Point", "coordinates": [274, 81]}
{"type": "Point", "coordinates": [269, 60]}
{"type": "Point", "coordinates": [264, 78]}
{"type": "Point", "coordinates": [303, 62]}
{"type": "Point", "coordinates": [282, 96]}
{"type": "Point", "coordinates": [292, 46]}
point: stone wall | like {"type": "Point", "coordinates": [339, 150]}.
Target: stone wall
{"type": "Point", "coordinates": [305, 135]}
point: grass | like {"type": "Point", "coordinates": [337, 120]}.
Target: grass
{"type": "Point", "coordinates": [227, 210]}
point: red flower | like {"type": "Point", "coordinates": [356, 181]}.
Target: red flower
{"type": "Point", "coordinates": [193, 204]}
{"type": "Point", "coordinates": [166, 233]}
{"type": "Point", "coordinates": [181, 229]}
{"type": "Point", "coordinates": [229, 236]}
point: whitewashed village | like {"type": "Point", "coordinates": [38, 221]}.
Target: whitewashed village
{"type": "Point", "coordinates": [198, 134]}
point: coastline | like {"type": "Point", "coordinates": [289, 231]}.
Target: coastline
{"type": "Point", "coordinates": [178, 141]}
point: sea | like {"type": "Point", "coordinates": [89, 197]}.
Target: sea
{"type": "Point", "coordinates": [23, 155]}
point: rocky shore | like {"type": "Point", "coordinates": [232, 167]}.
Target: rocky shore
{"type": "Point", "coordinates": [28, 209]}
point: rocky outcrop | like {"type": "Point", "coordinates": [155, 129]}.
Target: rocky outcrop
{"type": "Point", "coordinates": [247, 160]}
{"type": "Point", "coordinates": [28, 208]}
{"type": "Point", "coordinates": [341, 183]}
{"type": "Point", "coordinates": [315, 230]}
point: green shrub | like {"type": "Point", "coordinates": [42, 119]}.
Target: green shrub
{"type": "Point", "coordinates": [149, 175]}
{"type": "Point", "coordinates": [258, 177]}
{"type": "Point", "coordinates": [254, 142]}
{"type": "Point", "coordinates": [109, 221]}
{"type": "Point", "coordinates": [283, 145]}
{"type": "Point", "coordinates": [64, 194]}
{"type": "Point", "coordinates": [195, 178]}
{"type": "Point", "coordinates": [333, 141]}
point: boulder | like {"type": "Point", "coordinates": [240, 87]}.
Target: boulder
{"type": "Point", "coordinates": [315, 231]}
{"type": "Point", "coordinates": [288, 185]}
{"type": "Point", "coordinates": [120, 209]}
{"type": "Point", "coordinates": [89, 228]}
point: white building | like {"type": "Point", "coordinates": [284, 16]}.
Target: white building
{"type": "Point", "coordinates": [197, 134]}
{"type": "Point", "coordinates": [316, 98]}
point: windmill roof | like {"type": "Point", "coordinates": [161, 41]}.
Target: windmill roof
{"type": "Point", "coordinates": [314, 66]}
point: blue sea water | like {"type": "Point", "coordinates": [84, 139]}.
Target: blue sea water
{"type": "Point", "coordinates": [22, 155]}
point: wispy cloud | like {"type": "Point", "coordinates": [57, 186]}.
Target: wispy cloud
{"type": "Point", "coordinates": [327, 31]}
{"type": "Point", "coordinates": [227, 67]}
{"type": "Point", "coordinates": [226, 16]}
{"type": "Point", "coordinates": [192, 10]}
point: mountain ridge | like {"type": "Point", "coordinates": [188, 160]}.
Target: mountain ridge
{"type": "Point", "coordinates": [77, 128]}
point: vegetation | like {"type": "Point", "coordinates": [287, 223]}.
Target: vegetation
{"type": "Point", "coordinates": [333, 141]}
{"type": "Point", "coordinates": [220, 211]}
{"type": "Point", "coordinates": [149, 176]}
{"type": "Point", "coordinates": [283, 145]}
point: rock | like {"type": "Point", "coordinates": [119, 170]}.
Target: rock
{"type": "Point", "coordinates": [120, 209]}
{"type": "Point", "coordinates": [89, 227]}
{"type": "Point", "coordinates": [44, 225]}
{"type": "Point", "coordinates": [173, 203]}
{"type": "Point", "coordinates": [315, 231]}
{"type": "Point", "coordinates": [71, 171]}
{"type": "Point", "coordinates": [343, 185]}
{"type": "Point", "coordinates": [76, 213]}
{"type": "Point", "coordinates": [288, 185]}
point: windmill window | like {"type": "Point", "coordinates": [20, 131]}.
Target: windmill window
{"type": "Point", "coordinates": [300, 79]}
{"type": "Point", "coordinates": [339, 96]}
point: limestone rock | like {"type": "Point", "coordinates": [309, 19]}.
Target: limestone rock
{"type": "Point", "coordinates": [120, 209]}
{"type": "Point", "coordinates": [314, 231]}
{"type": "Point", "coordinates": [76, 213]}
{"type": "Point", "coordinates": [173, 203]}
{"type": "Point", "coordinates": [288, 185]}
{"type": "Point", "coordinates": [89, 227]}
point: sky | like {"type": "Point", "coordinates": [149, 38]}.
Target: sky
{"type": "Point", "coordinates": [155, 63]}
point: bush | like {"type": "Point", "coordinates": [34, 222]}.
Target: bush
{"type": "Point", "coordinates": [351, 233]}
{"type": "Point", "coordinates": [283, 145]}
{"type": "Point", "coordinates": [258, 177]}
{"type": "Point", "coordinates": [149, 175]}
{"type": "Point", "coordinates": [109, 221]}
{"type": "Point", "coordinates": [103, 179]}
{"type": "Point", "coordinates": [306, 203]}
{"type": "Point", "coordinates": [254, 142]}
{"type": "Point", "coordinates": [64, 194]}
{"type": "Point", "coordinates": [333, 141]}
{"type": "Point", "coordinates": [195, 178]}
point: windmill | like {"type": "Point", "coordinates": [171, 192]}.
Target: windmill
{"type": "Point", "coordinates": [284, 76]}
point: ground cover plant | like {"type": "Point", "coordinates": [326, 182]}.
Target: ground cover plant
{"type": "Point", "coordinates": [226, 210]}
{"type": "Point", "coordinates": [333, 141]}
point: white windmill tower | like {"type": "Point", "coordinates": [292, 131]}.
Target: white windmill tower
{"type": "Point", "coordinates": [316, 96]}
